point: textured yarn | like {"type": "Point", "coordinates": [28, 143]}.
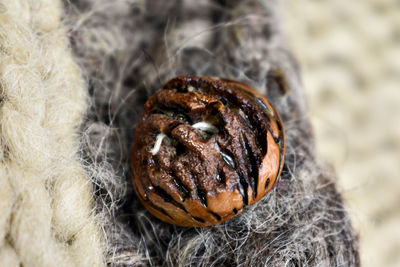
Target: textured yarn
{"type": "Point", "coordinates": [46, 203]}
{"type": "Point", "coordinates": [60, 184]}
{"type": "Point", "coordinates": [127, 49]}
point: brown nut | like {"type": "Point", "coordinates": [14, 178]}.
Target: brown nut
{"type": "Point", "coordinates": [204, 147]}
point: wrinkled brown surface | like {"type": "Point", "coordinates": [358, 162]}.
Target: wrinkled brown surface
{"type": "Point", "coordinates": [200, 178]}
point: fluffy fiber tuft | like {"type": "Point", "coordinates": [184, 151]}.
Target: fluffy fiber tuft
{"type": "Point", "coordinates": [127, 49]}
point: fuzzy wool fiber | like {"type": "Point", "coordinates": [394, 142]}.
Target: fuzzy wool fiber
{"type": "Point", "coordinates": [46, 205]}
{"type": "Point", "coordinates": [126, 50]}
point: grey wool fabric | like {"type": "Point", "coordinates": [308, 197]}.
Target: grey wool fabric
{"type": "Point", "coordinates": [126, 50]}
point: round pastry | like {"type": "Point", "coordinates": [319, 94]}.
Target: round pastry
{"type": "Point", "coordinates": [204, 148]}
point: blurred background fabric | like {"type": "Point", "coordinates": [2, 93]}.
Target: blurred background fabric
{"type": "Point", "coordinates": [349, 53]}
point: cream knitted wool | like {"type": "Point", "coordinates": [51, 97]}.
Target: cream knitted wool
{"type": "Point", "coordinates": [45, 198]}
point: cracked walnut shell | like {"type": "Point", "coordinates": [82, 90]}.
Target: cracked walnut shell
{"type": "Point", "coordinates": [204, 148]}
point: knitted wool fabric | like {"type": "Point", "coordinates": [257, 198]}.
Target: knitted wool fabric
{"type": "Point", "coordinates": [46, 205]}
{"type": "Point", "coordinates": [126, 49]}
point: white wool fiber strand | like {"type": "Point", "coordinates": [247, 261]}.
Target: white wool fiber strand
{"type": "Point", "coordinates": [47, 216]}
